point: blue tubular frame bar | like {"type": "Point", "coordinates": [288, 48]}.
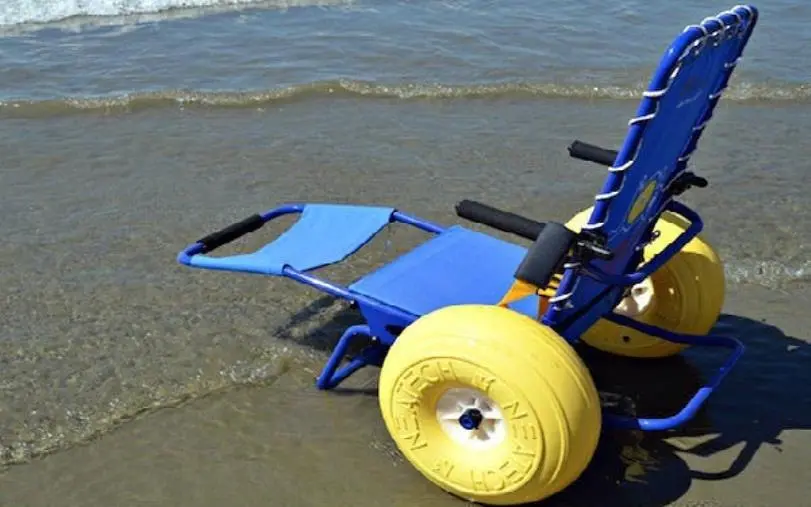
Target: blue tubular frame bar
{"type": "Point", "coordinates": [691, 408]}
{"type": "Point", "coordinates": [331, 375]}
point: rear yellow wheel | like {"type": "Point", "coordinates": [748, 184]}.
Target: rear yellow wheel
{"type": "Point", "coordinates": [685, 295]}
{"type": "Point", "coordinates": [489, 404]}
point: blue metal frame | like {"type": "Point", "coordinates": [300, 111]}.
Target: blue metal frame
{"type": "Point", "coordinates": [383, 320]}
{"type": "Point", "coordinates": [694, 404]}
{"type": "Point", "coordinates": [380, 316]}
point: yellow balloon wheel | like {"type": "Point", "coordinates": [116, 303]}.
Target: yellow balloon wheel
{"type": "Point", "coordinates": [489, 404]}
{"type": "Point", "coordinates": [685, 295]}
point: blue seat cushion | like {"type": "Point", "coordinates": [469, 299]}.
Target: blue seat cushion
{"type": "Point", "coordinates": [458, 266]}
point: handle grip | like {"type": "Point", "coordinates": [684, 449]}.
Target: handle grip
{"type": "Point", "coordinates": [592, 153]}
{"type": "Point", "coordinates": [498, 219]}
{"type": "Point", "coordinates": [230, 233]}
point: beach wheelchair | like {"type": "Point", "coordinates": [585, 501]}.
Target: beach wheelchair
{"type": "Point", "coordinates": [480, 385]}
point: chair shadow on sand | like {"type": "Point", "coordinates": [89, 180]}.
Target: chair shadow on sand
{"type": "Point", "coordinates": [766, 393]}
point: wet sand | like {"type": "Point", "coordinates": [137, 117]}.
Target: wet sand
{"type": "Point", "coordinates": [195, 388]}
{"type": "Point", "coordinates": [126, 379]}
{"type": "Point", "coordinates": [286, 444]}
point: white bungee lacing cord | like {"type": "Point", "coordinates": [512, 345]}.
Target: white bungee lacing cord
{"type": "Point", "coordinates": [724, 32]}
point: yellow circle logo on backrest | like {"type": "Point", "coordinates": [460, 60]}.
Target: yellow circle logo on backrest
{"type": "Point", "coordinates": [641, 201]}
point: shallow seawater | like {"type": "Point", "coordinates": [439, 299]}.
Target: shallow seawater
{"type": "Point", "coordinates": [124, 138]}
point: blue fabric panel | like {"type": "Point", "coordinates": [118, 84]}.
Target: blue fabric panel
{"type": "Point", "coordinates": [324, 234]}
{"type": "Point", "coordinates": [459, 266]}
{"type": "Point", "coordinates": [663, 142]}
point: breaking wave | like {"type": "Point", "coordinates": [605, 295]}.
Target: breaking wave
{"type": "Point", "coordinates": [744, 92]}
{"type": "Point", "coordinates": [18, 12]}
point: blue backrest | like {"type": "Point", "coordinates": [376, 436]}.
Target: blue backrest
{"type": "Point", "coordinates": [671, 117]}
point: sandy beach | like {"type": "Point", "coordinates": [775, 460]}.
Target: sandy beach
{"type": "Point", "coordinates": [284, 443]}
{"type": "Point", "coordinates": [128, 131]}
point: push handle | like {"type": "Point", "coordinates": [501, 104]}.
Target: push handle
{"type": "Point", "coordinates": [230, 233]}
{"type": "Point", "coordinates": [592, 153]}
{"type": "Point", "coordinates": [498, 219]}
